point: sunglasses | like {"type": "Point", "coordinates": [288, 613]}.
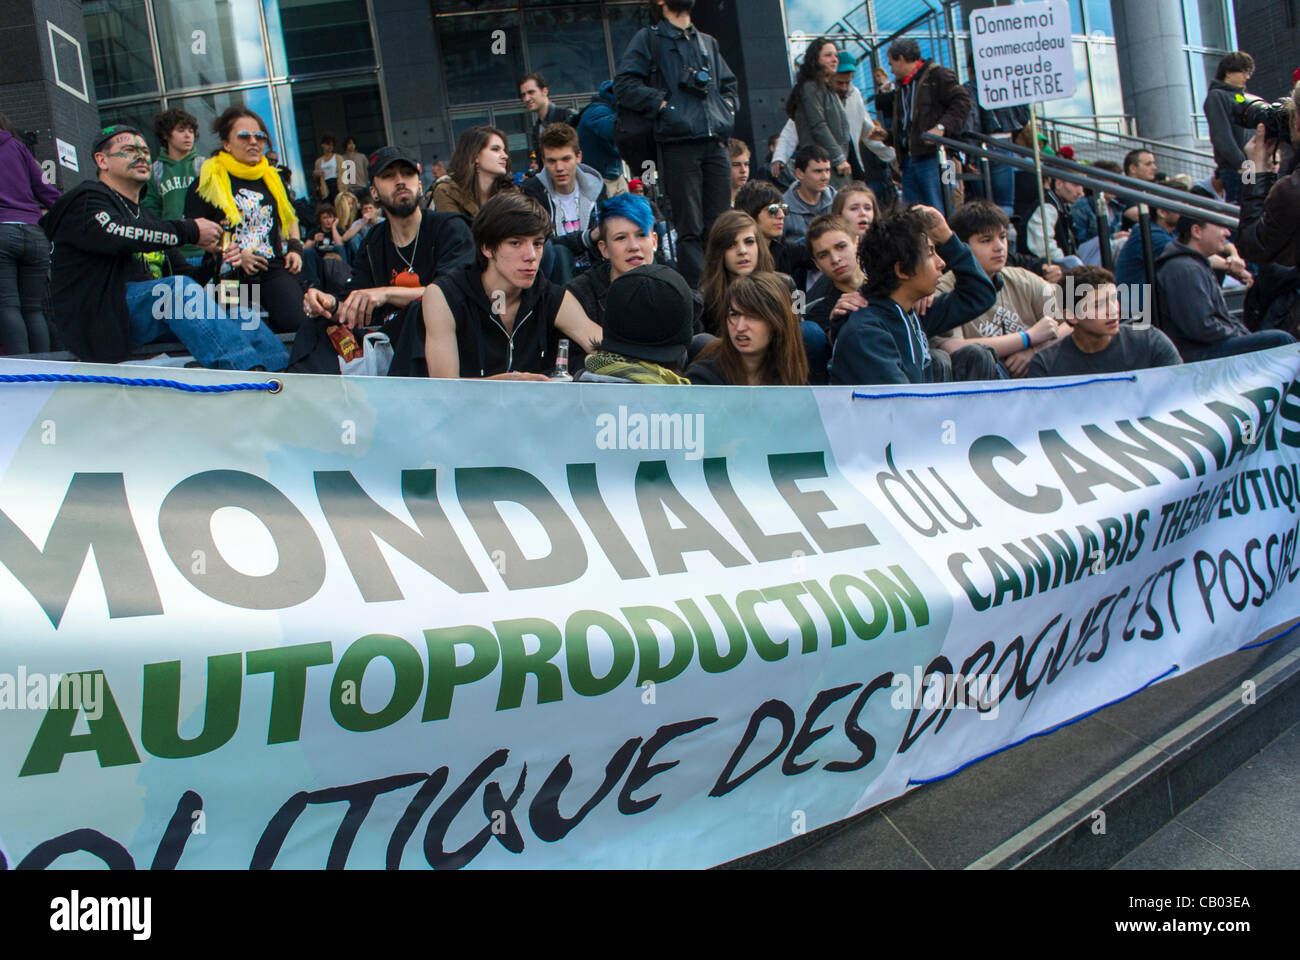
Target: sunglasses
{"type": "Point", "coordinates": [247, 135]}
{"type": "Point", "coordinates": [774, 208]}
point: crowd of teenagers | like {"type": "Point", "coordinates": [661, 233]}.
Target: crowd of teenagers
{"type": "Point", "coordinates": [832, 262]}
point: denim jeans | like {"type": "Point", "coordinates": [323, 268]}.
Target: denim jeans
{"type": "Point", "coordinates": [818, 349]}
{"type": "Point", "coordinates": [1004, 185]}
{"type": "Point", "coordinates": [557, 263]}
{"type": "Point", "coordinates": [179, 306]}
{"type": "Point", "coordinates": [24, 265]}
{"type": "Point", "coordinates": [1246, 343]}
{"type": "Point", "coordinates": [1231, 180]}
{"type": "Point", "coordinates": [922, 182]}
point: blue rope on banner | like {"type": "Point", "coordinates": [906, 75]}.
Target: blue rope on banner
{"type": "Point", "coordinates": [1041, 733]}
{"type": "Point", "coordinates": [1264, 643]}
{"type": "Point", "coordinates": [971, 393]}
{"type": "Point", "coordinates": [270, 386]}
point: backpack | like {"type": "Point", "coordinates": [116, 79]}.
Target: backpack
{"type": "Point", "coordinates": [634, 132]}
{"type": "Point", "coordinates": [575, 116]}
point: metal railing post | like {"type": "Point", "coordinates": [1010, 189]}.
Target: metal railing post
{"type": "Point", "coordinates": [1103, 233]}
{"type": "Point", "coordinates": [1148, 263]}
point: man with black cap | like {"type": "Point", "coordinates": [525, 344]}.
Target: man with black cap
{"type": "Point", "coordinates": [117, 278]}
{"type": "Point", "coordinates": [403, 254]}
{"type": "Point", "coordinates": [648, 329]}
{"type": "Point", "coordinates": [400, 256]}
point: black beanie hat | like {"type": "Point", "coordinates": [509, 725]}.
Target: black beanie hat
{"type": "Point", "coordinates": [649, 315]}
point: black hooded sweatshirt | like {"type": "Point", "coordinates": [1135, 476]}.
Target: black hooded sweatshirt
{"type": "Point", "coordinates": [96, 233]}
{"type": "Point", "coordinates": [484, 346]}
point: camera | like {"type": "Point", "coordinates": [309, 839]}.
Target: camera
{"type": "Point", "coordinates": [1250, 112]}
{"type": "Point", "coordinates": [697, 80]}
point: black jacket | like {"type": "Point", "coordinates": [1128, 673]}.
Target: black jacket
{"type": "Point", "coordinates": [484, 346]}
{"type": "Point", "coordinates": [96, 232]}
{"type": "Point", "coordinates": [991, 120]}
{"type": "Point", "coordinates": [707, 372]}
{"type": "Point", "coordinates": [554, 114]}
{"type": "Point", "coordinates": [790, 256]}
{"type": "Point", "coordinates": [1226, 137]}
{"type": "Point", "coordinates": [1193, 313]}
{"type": "Point", "coordinates": [686, 116]}
{"type": "Point", "coordinates": [881, 344]}
{"type": "Point", "coordinates": [444, 244]}
{"type": "Point", "coordinates": [1270, 220]}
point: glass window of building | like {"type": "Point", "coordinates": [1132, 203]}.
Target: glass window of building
{"type": "Point", "coordinates": [140, 116]}
{"type": "Point", "coordinates": [121, 57]}
{"type": "Point", "coordinates": [343, 107]}
{"type": "Point", "coordinates": [563, 45]}
{"type": "Point", "coordinates": [204, 43]}
{"type": "Point", "coordinates": [482, 56]}
{"type": "Point", "coordinates": [321, 37]}
{"type": "Point", "coordinates": [1206, 23]}
{"type": "Point", "coordinates": [625, 19]}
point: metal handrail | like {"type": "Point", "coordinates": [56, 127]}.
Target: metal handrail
{"type": "Point", "coordinates": [1167, 198]}
{"type": "Point", "coordinates": [1145, 142]}
{"type": "Point", "coordinates": [1142, 191]}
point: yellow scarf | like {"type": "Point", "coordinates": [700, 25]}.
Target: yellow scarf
{"type": "Point", "coordinates": [214, 187]}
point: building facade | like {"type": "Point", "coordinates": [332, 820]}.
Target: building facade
{"type": "Point", "coordinates": [418, 72]}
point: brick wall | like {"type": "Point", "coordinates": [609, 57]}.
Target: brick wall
{"type": "Point", "coordinates": [1269, 30]}
{"type": "Point", "coordinates": [32, 100]}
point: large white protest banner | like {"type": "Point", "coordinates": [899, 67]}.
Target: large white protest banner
{"type": "Point", "coordinates": [414, 623]}
{"type": "Point", "coordinates": [1023, 53]}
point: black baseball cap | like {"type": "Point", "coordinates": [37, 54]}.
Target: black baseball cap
{"type": "Point", "coordinates": [109, 132]}
{"type": "Point", "coordinates": [385, 157]}
{"type": "Point", "coordinates": [649, 315]}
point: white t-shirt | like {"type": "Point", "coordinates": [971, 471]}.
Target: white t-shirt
{"type": "Point", "coordinates": [329, 169]}
{"type": "Point", "coordinates": [569, 218]}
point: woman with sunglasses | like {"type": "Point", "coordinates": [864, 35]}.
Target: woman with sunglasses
{"type": "Point", "coordinates": [761, 344]}
{"type": "Point", "coordinates": [733, 250]}
{"type": "Point", "coordinates": [237, 185]}
{"type": "Point", "coordinates": [763, 201]}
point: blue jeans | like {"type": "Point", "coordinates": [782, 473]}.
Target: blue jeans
{"type": "Point", "coordinates": [1246, 343]}
{"type": "Point", "coordinates": [1231, 180]}
{"type": "Point", "coordinates": [1004, 186]}
{"type": "Point", "coordinates": [921, 182]}
{"type": "Point", "coordinates": [818, 349]}
{"type": "Point", "coordinates": [179, 306]}
{"type": "Point", "coordinates": [557, 263]}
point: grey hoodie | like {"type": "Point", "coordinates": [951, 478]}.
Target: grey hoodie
{"type": "Point", "coordinates": [591, 187]}
{"type": "Point", "coordinates": [801, 214]}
